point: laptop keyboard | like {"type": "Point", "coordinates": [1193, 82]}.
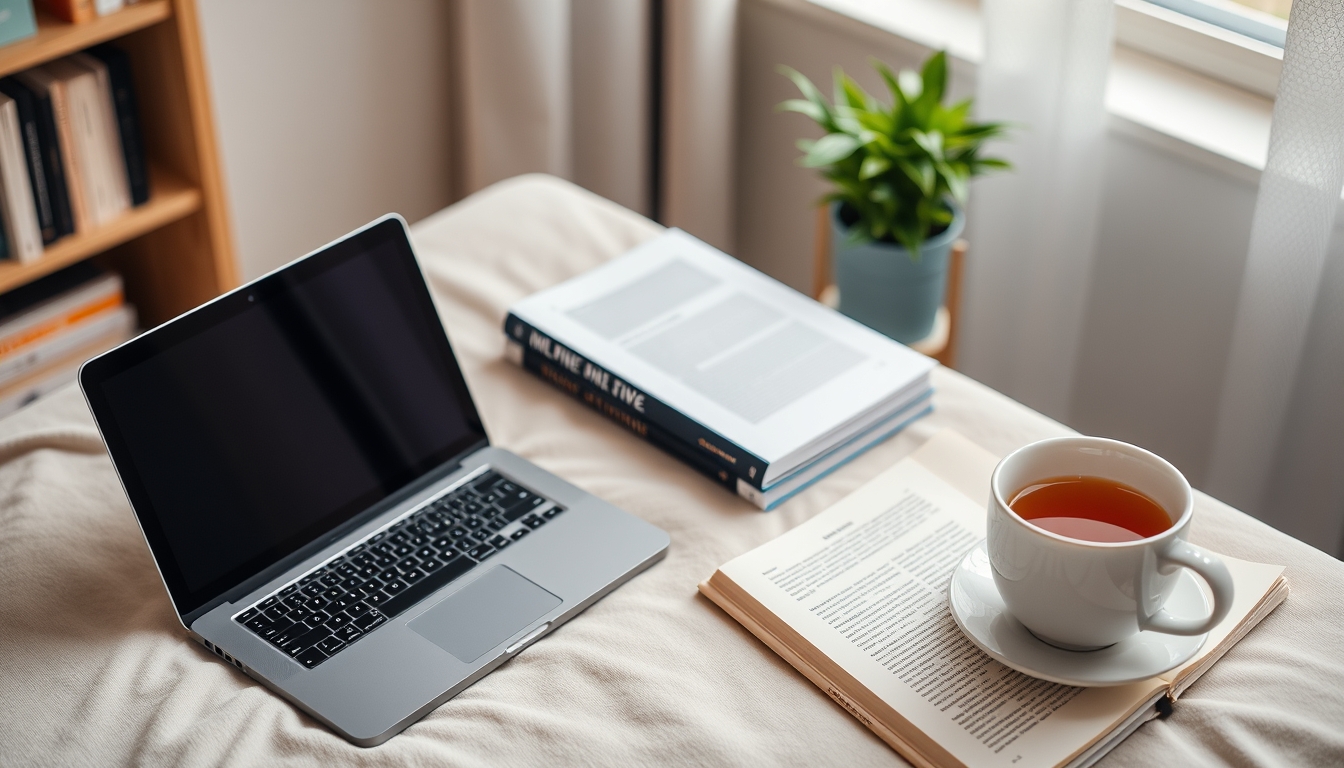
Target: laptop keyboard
{"type": "Point", "coordinates": [335, 605]}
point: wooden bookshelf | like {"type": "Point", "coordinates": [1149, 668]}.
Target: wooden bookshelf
{"type": "Point", "coordinates": [174, 251]}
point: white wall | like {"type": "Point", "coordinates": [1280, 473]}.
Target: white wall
{"type": "Point", "coordinates": [329, 113]}
{"type": "Point", "coordinates": [1172, 246]}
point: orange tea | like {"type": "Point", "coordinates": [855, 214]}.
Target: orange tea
{"type": "Point", "coordinates": [1090, 509]}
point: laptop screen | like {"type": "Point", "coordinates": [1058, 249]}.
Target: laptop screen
{"type": "Point", "coordinates": [262, 421]}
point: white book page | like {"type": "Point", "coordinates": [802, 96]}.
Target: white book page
{"type": "Point", "coordinates": [735, 350]}
{"type": "Point", "coordinates": [865, 583]}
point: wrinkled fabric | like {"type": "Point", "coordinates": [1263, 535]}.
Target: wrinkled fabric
{"type": "Point", "coordinates": [96, 670]}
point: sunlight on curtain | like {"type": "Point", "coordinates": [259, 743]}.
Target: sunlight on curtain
{"type": "Point", "coordinates": [1033, 229]}
{"type": "Point", "coordinates": [1290, 234]}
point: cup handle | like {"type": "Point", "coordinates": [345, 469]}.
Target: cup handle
{"type": "Point", "coordinates": [1184, 554]}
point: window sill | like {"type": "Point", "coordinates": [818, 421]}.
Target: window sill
{"type": "Point", "coordinates": [1187, 113]}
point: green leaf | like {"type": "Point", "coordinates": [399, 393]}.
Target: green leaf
{"type": "Point", "coordinates": [851, 92]}
{"type": "Point", "coordinates": [931, 142]}
{"type": "Point", "coordinates": [830, 149]}
{"type": "Point", "coordinates": [994, 163]}
{"type": "Point", "coordinates": [810, 93]}
{"type": "Point", "coordinates": [873, 165]}
{"type": "Point", "coordinates": [802, 106]}
{"type": "Point", "coordinates": [920, 172]}
{"type": "Point", "coordinates": [956, 181]}
{"type": "Point", "coordinates": [934, 78]}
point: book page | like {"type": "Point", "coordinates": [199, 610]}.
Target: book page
{"type": "Point", "coordinates": [865, 583]}
{"type": "Point", "coordinates": [728, 347]}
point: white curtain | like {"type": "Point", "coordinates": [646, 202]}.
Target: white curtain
{"type": "Point", "coordinates": [1033, 229]}
{"type": "Point", "coordinates": [1290, 236]}
{"type": "Point", "coordinates": [566, 87]}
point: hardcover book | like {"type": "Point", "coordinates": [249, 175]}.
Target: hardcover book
{"type": "Point", "coordinates": [768, 388]}
{"type": "Point", "coordinates": [856, 600]}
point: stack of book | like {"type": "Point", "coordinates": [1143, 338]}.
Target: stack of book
{"type": "Point", "coordinates": [744, 379]}
{"type": "Point", "coordinates": [71, 154]}
{"type": "Point", "coordinates": [49, 327]}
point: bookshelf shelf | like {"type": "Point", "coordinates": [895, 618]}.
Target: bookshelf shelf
{"type": "Point", "coordinates": [175, 251]}
{"type": "Point", "coordinates": [171, 199]}
{"type": "Point", "coordinates": [55, 38]}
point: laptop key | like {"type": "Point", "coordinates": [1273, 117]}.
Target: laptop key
{"type": "Point", "coordinates": [431, 564]}
{"type": "Point", "coordinates": [377, 598]}
{"type": "Point", "coordinates": [358, 609]}
{"type": "Point", "coordinates": [336, 622]}
{"type": "Point", "coordinates": [331, 645]}
{"type": "Point", "coordinates": [246, 616]}
{"type": "Point", "coordinates": [413, 575]}
{"type": "Point", "coordinates": [520, 533]}
{"type": "Point", "coordinates": [481, 551]}
{"type": "Point", "coordinates": [532, 521]}
{"type": "Point", "coordinates": [318, 618]}
{"type": "Point", "coordinates": [394, 587]}
{"type": "Point", "coordinates": [426, 586]}
{"type": "Point", "coordinates": [552, 512]}
{"type": "Point", "coordinates": [258, 623]}
{"type": "Point", "coordinates": [311, 657]}
{"type": "Point", "coordinates": [369, 621]}
{"type": "Point", "coordinates": [499, 542]}
{"type": "Point", "coordinates": [349, 633]}
{"type": "Point", "coordinates": [299, 629]}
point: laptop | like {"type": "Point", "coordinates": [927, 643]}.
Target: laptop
{"type": "Point", "coordinates": [318, 492]}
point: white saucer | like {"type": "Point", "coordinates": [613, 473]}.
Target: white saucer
{"type": "Point", "coordinates": [978, 609]}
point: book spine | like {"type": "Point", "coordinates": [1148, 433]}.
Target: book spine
{"type": "Point", "coordinates": [74, 182]}
{"type": "Point", "coordinates": [128, 121]}
{"type": "Point", "coordinates": [53, 165]}
{"type": "Point", "coordinates": [737, 461]}
{"type": "Point", "coordinates": [567, 382]}
{"type": "Point", "coordinates": [30, 136]}
{"type": "Point", "coordinates": [25, 359]}
{"type": "Point", "coordinates": [73, 11]}
{"type": "Point", "coordinates": [56, 322]}
{"type": "Point", "coordinates": [21, 214]}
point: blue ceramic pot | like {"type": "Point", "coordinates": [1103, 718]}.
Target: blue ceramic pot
{"type": "Point", "coordinates": [886, 290]}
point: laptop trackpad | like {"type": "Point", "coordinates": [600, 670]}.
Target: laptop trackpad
{"type": "Point", "coordinates": [484, 614]}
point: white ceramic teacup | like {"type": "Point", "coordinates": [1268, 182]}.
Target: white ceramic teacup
{"type": "Point", "coordinates": [1083, 595]}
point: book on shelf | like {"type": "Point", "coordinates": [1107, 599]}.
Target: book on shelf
{"type": "Point", "coordinates": [51, 375]}
{"type": "Point", "coordinates": [17, 21]}
{"type": "Point", "coordinates": [681, 343]}
{"type": "Point", "coordinates": [73, 11]}
{"type": "Point", "coordinates": [127, 114]}
{"type": "Point", "coordinates": [90, 128]}
{"type": "Point", "coordinates": [16, 191]}
{"type": "Point", "coordinates": [52, 305]}
{"type": "Point", "coordinates": [30, 134]}
{"type": "Point", "coordinates": [55, 90]}
{"type": "Point", "coordinates": [879, 562]}
{"type": "Point", "coordinates": [48, 163]}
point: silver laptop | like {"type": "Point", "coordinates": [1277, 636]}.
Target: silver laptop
{"type": "Point", "coordinates": [319, 494]}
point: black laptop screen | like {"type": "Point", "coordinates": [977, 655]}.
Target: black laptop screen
{"type": "Point", "coordinates": [258, 423]}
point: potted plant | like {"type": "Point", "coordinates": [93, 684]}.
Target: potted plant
{"type": "Point", "coordinates": [900, 173]}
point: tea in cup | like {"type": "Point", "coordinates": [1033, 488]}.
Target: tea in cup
{"type": "Point", "coordinates": [1087, 539]}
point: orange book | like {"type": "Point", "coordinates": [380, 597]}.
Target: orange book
{"type": "Point", "coordinates": [73, 11]}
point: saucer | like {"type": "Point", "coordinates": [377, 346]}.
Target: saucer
{"type": "Point", "coordinates": [978, 609]}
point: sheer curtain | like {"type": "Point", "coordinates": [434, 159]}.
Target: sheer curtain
{"type": "Point", "coordinates": [632, 99]}
{"type": "Point", "coordinates": [1254, 457]}
{"type": "Point", "coordinates": [1033, 230]}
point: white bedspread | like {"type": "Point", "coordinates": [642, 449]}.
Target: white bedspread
{"type": "Point", "coordinates": [95, 670]}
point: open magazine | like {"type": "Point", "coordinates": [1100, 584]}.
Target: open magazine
{"type": "Point", "coordinates": [907, 672]}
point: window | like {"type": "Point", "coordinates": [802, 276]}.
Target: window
{"type": "Point", "coordinates": [1263, 20]}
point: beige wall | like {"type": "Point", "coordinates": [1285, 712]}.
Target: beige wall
{"type": "Point", "coordinates": [329, 113]}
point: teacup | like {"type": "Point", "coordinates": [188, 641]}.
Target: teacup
{"type": "Point", "coordinates": [1083, 595]}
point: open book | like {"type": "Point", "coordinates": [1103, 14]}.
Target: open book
{"type": "Point", "coordinates": [939, 701]}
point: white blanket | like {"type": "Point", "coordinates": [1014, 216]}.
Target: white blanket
{"type": "Point", "coordinates": [96, 670]}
